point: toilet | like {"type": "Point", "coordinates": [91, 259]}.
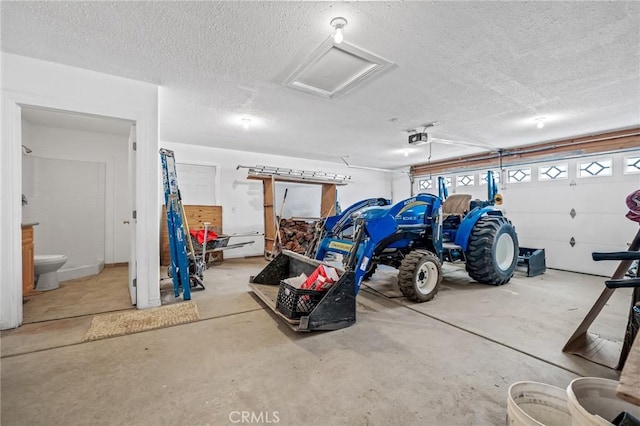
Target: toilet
{"type": "Point", "coordinates": [46, 270]}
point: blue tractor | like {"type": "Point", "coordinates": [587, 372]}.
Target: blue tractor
{"type": "Point", "coordinates": [416, 235]}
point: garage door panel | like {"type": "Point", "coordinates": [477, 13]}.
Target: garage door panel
{"type": "Point", "coordinates": [603, 196]}
{"type": "Point", "coordinates": [548, 226]}
{"type": "Point", "coordinates": [578, 258]}
{"type": "Point", "coordinates": [596, 199]}
{"type": "Point", "coordinates": [590, 233]}
{"type": "Point", "coordinates": [603, 229]}
{"type": "Point", "coordinates": [552, 226]}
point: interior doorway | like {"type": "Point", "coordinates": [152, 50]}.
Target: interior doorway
{"type": "Point", "coordinates": [78, 189]}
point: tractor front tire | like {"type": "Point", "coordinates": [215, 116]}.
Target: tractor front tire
{"type": "Point", "coordinates": [492, 252]}
{"type": "Point", "coordinates": [419, 276]}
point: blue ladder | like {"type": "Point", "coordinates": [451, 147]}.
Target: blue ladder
{"type": "Point", "coordinates": [175, 228]}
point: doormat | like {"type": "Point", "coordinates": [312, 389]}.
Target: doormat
{"type": "Point", "coordinates": [135, 321]}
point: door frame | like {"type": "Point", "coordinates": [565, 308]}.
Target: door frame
{"type": "Point", "coordinates": [133, 261]}
{"type": "Point", "coordinates": [147, 197]}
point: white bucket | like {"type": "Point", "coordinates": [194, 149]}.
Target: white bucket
{"type": "Point", "coordinates": [593, 401]}
{"type": "Point", "coordinates": [535, 404]}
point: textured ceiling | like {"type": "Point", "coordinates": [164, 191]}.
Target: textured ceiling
{"type": "Point", "coordinates": [484, 70]}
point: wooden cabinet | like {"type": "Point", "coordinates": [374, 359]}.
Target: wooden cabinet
{"type": "Point", "coordinates": [28, 279]}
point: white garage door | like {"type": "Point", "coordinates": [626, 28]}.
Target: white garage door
{"type": "Point", "coordinates": [553, 204]}
{"type": "Point", "coordinates": [572, 217]}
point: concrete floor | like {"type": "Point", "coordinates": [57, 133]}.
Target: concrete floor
{"type": "Point", "coordinates": [448, 361]}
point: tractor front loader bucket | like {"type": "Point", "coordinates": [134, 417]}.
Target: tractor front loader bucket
{"type": "Point", "coordinates": [305, 310]}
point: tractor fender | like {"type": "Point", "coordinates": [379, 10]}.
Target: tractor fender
{"type": "Point", "coordinates": [469, 221]}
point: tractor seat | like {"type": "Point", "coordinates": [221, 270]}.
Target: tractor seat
{"type": "Point", "coordinates": [456, 204]}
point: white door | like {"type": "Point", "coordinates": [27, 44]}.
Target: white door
{"type": "Point", "coordinates": [132, 221]}
{"type": "Point", "coordinates": [197, 184]}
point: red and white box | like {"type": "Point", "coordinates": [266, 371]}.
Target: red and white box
{"type": "Point", "coordinates": [321, 279]}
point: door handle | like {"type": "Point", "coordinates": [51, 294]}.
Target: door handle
{"type": "Point", "coordinates": [125, 222]}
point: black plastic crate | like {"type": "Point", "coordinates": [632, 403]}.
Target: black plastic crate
{"type": "Point", "coordinates": [296, 302]}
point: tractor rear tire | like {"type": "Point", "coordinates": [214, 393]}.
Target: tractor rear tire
{"type": "Point", "coordinates": [419, 276]}
{"type": "Point", "coordinates": [492, 253]}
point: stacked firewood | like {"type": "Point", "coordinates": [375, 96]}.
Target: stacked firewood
{"type": "Point", "coordinates": [296, 234]}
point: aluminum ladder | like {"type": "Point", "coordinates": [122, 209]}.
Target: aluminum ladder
{"type": "Point", "coordinates": [175, 226]}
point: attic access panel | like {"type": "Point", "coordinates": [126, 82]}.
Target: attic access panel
{"type": "Point", "coordinates": [332, 69]}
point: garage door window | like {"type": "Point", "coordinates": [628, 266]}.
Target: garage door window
{"type": "Point", "coordinates": [465, 180]}
{"type": "Point", "coordinates": [602, 167]}
{"type": "Point", "coordinates": [519, 175]}
{"type": "Point", "coordinates": [632, 165]}
{"type": "Point", "coordinates": [554, 172]}
{"type": "Point", "coordinates": [483, 177]}
{"type": "Point", "coordinates": [424, 184]}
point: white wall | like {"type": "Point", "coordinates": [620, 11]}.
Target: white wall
{"type": "Point", "coordinates": [31, 82]}
{"type": "Point", "coordinates": [401, 186]}
{"type": "Point", "coordinates": [241, 198]}
{"type": "Point", "coordinates": [111, 150]}
{"type": "Point", "coordinates": [540, 211]}
{"type": "Point", "coordinates": [67, 199]}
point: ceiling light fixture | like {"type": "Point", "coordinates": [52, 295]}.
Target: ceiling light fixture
{"type": "Point", "coordinates": [338, 24]}
{"type": "Point", "coordinates": [540, 122]}
{"type": "Point", "coordinates": [245, 123]}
